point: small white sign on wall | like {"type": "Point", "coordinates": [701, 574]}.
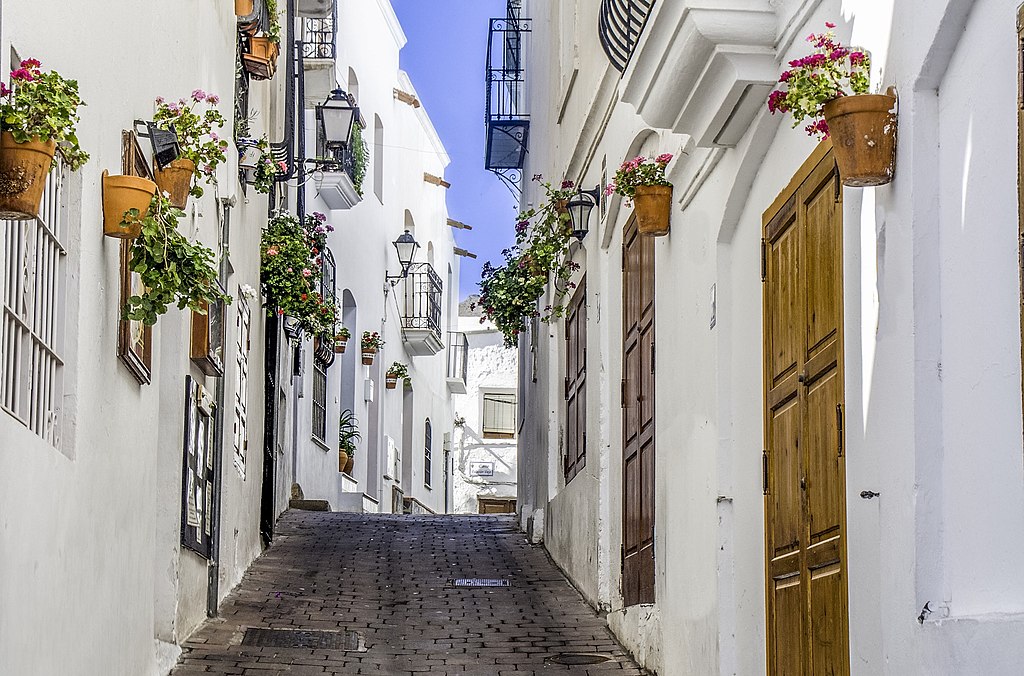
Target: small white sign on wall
{"type": "Point", "coordinates": [481, 469]}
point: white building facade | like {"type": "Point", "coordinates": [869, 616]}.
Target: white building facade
{"type": "Point", "coordinates": [911, 482]}
{"type": "Point", "coordinates": [485, 460]}
{"type": "Point", "coordinates": [406, 432]}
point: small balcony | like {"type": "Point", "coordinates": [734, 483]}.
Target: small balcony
{"type": "Point", "coordinates": [334, 179]}
{"type": "Point", "coordinates": [421, 310]}
{"type": "Point", "coordinates": [458, 362]}
{"type": "Point", "coordinates": [318, 58]}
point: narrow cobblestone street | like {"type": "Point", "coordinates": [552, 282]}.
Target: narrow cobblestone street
{"type": "Point", "coordinates": [390, 581]}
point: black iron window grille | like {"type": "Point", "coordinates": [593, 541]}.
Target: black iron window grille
{"type": "Point", "coordinates": [342, 158]}
{"type": "Point", "coordinates": [422, 299]}
{"type": "Point", "coordinates": [458, 355]}
{"type": "Point", "coordinates": [319, 401]}
{"type": "Point", "coordinates": [508, 124]}
{"type": "Point", "coordinates": [323, 353]}
{"type": "Point", "coordinates": [620, 24]}
{"type": "Point", "coordinates": [318, 36]}
{"type": "Point", "coordinates": [428, 446]}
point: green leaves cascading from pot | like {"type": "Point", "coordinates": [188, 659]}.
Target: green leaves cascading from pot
{"type": "Point", "coordinates": [291, 271]}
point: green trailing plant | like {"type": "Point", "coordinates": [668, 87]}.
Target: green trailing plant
{"type": "Point", "coordinates": [43, 105]}
{"type": "Point", "coordinates": [172, 269]}
{"type": "Point", "coordinates": [360, 158]}
{"type": "Point", "coordinates": [829, 72]}
{"type": "Point", "coordinates": [291, 268]}
{"type": "Point", "coordinates": [196, 133]}
{"type": "Point", "coordinates": [509, 292]}
{"type": "Point", "coordinates": [398, 370]}
{"type": "Point", "coordinates": [348, 432]}
{"type": "Point", "coordinates": [639, 171]}
{"type": "Point", "coordinates": [274, 31]}
{"type": "Point", "coordinates": [371, 341]}
{"type": "Point", "coordinates": [267, 168]}
{"type": "Point", "coordinates": [343, 332]}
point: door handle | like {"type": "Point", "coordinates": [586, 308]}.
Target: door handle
{"type": "Point", "coordinates": [802, 377]}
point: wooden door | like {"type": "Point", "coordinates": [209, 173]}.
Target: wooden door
{"type": "Point", "coordinates": [637, 417]}
{"type": "Point", "coordinates": [803, 465]}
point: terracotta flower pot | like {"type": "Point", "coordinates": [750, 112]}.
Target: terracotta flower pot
{"type": "Point", "coordinates": [176, 180]}
{"type": "Point", "coordinates": [652, 205]}
{"type": "Point", "coordinates": [261, 59]}
{"type": "Point", "coordinates": [120, 194]}
{"type": "Point", "coordinates": [340, 344]}
{"type": "Point", "coordinates": [244, 7]}
{"type": "Point", "coordinates": [863, 131]}
{"type": "Point", "coordinates": [390, 382]}
{"type": "Point", "coordinates": [368, 356]}
{"type": "Point", "coordinates": [23, 170]}
{"type": "Point", "coordinates": [342, 460]}
{"type": "Point", "coordinates": [350, 465]}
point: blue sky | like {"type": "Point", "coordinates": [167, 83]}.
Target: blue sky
{"type": "Point", "coordinates": [445, 59]}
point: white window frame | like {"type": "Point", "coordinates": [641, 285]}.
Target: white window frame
{"type": "Point", "coordinates": [496, 433]}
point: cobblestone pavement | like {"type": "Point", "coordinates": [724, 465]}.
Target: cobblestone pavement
{"type": "Point", "coordinates": [388, 578]}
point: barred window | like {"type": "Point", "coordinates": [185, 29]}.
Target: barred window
{"type": "Point", "coordinates": [428, 444]}
{"type": "Point", "coordinates": [243, 320]}
{"type": "Point", "coordinates": [319, 401]}
{"type": "Point", "coordinates": [34, 290]}
{"type": "Point", "coordinates": [499, 415]}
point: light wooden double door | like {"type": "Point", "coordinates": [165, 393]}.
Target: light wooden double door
{"type": "Point", "coordinates": [803, 464]}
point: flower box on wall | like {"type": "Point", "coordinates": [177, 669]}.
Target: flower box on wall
{"type": "Point", "coordinates": [337, 189]}
{"type": "Point", "coordinates": [207, 347]}
{"type": "Point", "coordinates": [261, 59]}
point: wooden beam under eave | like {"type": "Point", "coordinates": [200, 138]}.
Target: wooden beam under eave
{"type": "Point", "coordinates": [436, 180]}
{"type": "Point", "coordinates": [458, 224]}
{"type": "Point", "coordinates": [406, 97]}
{"type": "Point", "coordinates": [463, 253]}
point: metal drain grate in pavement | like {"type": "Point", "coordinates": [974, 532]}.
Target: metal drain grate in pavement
{"type": "Point", "coordinates": [300, 638]}
{"type": "Point", "coordinates": [579, 658]}
{"type": "Point", "coordinates": [480, 582]}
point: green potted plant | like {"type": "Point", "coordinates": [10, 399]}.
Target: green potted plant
{"type": "Point", "coordinates": [348, 436]}
{"type": "Point", "coordinates": [172, 269]}
{"type": "Point", "coordinates": [291, 269]}
{"type": "Point", "coordinates": [360, 158]}
{"type": "Point", "coordinates": [267, 169]}
{"type": "Point", "coordinates": [341, 337]}
{"type": "Point", "coordinates": [126, 201]}
{"type": "Point", "coordinates": [395, 371]}
{"type": "Point", "coordinates": [370, 345]}
{"type": "Point", "coordinates": [200, 145]}
{"type": "Point", "coordinates": [38, 118]}
{"type": "Point", "coordinates": [642, 180]}
{"type": "Point", "coordinates": [828, 88]}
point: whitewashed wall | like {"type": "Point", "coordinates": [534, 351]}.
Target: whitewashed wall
{"type": "Point", "coordinates": [89, 538]}
{"type": "Point", "coordinates": [932, 341]}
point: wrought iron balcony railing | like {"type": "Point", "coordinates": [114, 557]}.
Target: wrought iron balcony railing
{"type": "Point", "coordinates": [620, 26]}
{"type": "Point", "coordinates": [318, 37]}
{"type": "Point", "coordinates": [458, 356]}
{"type": "Point", "coordinates": [421, 297]}
{"type": "Point", "coordinates": [508, 123]}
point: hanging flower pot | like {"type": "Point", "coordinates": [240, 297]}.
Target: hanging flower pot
{"type": "Point", "coordinates": [120, 195]}
{"type": "Point", "coordinates": [863, 131]}
{"type": "Point", "coordinates": [390, 382]}
{"type": "Point", "coordinates": [342, 460]}
{"type": "Point", "coordinates": [244, 7]}
{"type": "Point", "coordinates": [261, 59]}
{"type": "Point", "coordinates": [340, 343]}
{"type": "Point", "coordinates": [23, 171]}
{"type": "Point", "coordinates": [652, 205]}
{"type": "Point", "coordinates": [176, 180]}
{"type": "Point", "coordinates": [249, 153]}
{"type": "Point", "coordinates": [368, 355]}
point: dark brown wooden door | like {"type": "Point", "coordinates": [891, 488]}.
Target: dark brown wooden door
{"type": "Point", "coordinates": [805, 516]}
{"type": "Point", "coordinates": [576, 383]}
{"type": "Point", "coordinates": [637, 417]}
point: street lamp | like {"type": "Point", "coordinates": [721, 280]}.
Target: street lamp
{"type": "Point", "coordinates": [580, 205]}
{"type": "Point", "coordinates": [336, 116]}
{"type": "Point", "coordinates": [406, 246]}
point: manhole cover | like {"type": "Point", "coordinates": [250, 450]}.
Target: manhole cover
{"type": "Point", "coordinates": [579, 658]}
{"type": "Point", "coordinates": [298, 638]}
{"type": "Point", "coordinates": [480, 582]}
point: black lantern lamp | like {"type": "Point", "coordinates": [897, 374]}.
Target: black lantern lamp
{"type": "Point", "coordinates": [163, 141]}
{"type": "Point", "coordinates": [292, 327]}
{"type": "Point", "coordinates": [580, 205]}
{"type": "Point", "coordinates": [406, 246]}
{"type": "Point", "coordinates": [336, 116]}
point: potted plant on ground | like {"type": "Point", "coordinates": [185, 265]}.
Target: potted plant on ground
{"type": "Point", "coordinates": [348, 435]}
{"type": "Point", "coordinates": [829, 88]}
{"type": "Point", "coordinates": [643, 181]}
{"type": "Point", "coordinates": [171, 268]}
{"type": "Point", "coordinates": [38, 117]}
{"type": "Point", "coordinates": [395, 371]}
{"type": "Point", "coordinates": [126, 201]}
{"type": "Point", "coordinates": [341, 337]}
{"type": "Point", "coordinates": [370, 344]}
{"type": "Point", "coordinates": [291, 271]}
{"type": "Point", "coordinates": [200, 145]}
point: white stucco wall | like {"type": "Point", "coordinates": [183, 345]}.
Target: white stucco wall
{"type": "Point", "coordinates": [932, 342]}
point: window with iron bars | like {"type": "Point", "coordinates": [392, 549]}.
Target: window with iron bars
{"type": "Point", "coordinates": [428, 443]}
{"type": "Point", "coordinates": [319, 401]}
{"type": "Point", "coordinates": [33, 257]}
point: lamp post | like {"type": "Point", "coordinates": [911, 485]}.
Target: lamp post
{"type": "Point", "coordinates": [580, 205]}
